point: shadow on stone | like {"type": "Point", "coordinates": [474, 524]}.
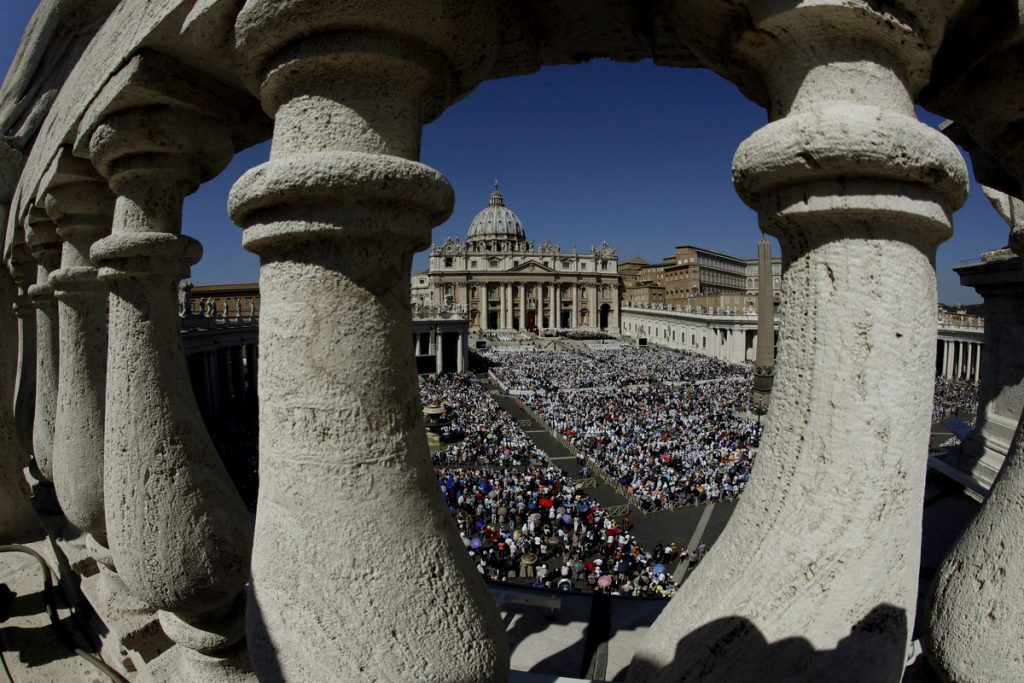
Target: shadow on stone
{"type": "Point", "coordinates": [262, 653]}
{"type": "Point", "coordinates": [733, 649]}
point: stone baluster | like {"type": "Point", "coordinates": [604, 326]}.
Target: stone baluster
{"type": "Point", "coordinates": [335, 217]}
{"type": "Point", "coordinates": [17, 519]}
{"type": "Point", "coordinates": [45, 246]}
{"type": "Point", "coordinates": [179, 533]}
{"type": "Point", "coordinates": [81, 205]}
{"type": "Point", "coordinates": [815, 578]}
{"type": "Point", "coordinates": [23, 270]}
{"type": "Point", "coordinates": [975, 617]}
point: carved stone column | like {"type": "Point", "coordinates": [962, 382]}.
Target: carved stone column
{"type": "Point", "coordinates": [975, 616]}
{"type": "Point", "coordinates": [18, 522]}
{"type": "Point", "coordinates": [82, 207]}
{"type": "Point", "coordinates": [44, 244]}
{"type": "Point", "coordinates": [335, 216]}
{"type": "Point", "coordinates": [815, 578]}
{"type": "Point", "coordinates": [23, 270]}
{"type": "Point", "coordinates": [178, 530]}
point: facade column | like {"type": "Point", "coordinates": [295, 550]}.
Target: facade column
{"type": "Point", "coordinates": [576, 305]}
{"type": "Point", "coordinates": [522, 306]}
{"type": "Point", "coordinates": [502, 307]}
{"type": "Point", "coordinates": [82, 207]}
{"type": "Point", "coordinates": [616, 310]}
{"type": "Point", "coordinates": [595, 316]}
{"type": "Point", "coordinates": [506, 309]}
{"type": "Point", "coordinates": [158, 456]}
{"type": "Point", "coordinates": [336, 215]}
{"type": "Point", "coordinates": [947, 370]}
{"type": "Point", "coordinates": [977, 364]}
{"type": "Point", "coordinates": [855, 361]}
{"type": "Point", "coordinates": [485, 305]}
{"type": "Point", "coordinates": [556, 305]}
{"type": "Point", "coordinates": [44, 244]}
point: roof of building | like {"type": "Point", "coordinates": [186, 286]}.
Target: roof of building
{"type": "Point", "coordinates": [497, 221]}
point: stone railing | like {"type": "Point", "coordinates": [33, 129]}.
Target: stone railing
{"type": "Point", "coordinates": [731, 312]}
{"type": "Point", "coordinates": [115, 111]}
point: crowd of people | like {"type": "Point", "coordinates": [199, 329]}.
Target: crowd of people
{"type": "Point", "coordinates": [521, 518]}
{"type": "Point", "coordinates": [667, 426]}
{"type": "Point", "coordinates": [536, 525]}
{"type": "Point", "coordinates": [955, 397]}
{"type": "Point", "coordinates": [479, 432]}
{"type": "Point", "coordinates": [529, 369]}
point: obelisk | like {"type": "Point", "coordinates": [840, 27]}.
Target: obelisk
{"type": "Point", "coordinates": [764, 362]}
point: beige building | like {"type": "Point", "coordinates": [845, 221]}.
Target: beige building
{"type": "Point", "coordinates": [694, 276]}
{"type": "Point", "coordinates": [505, 282]}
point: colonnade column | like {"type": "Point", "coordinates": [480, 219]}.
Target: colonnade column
{"type": "Point", "coordinates": [438, 351]}
{"type": "Point", "coordinates": [82, 206]}
{"type": "Point", "coordinates": [859, 194]}
{"type": "Point", "coordinates": [44, 244]}
{"type": "Point", "coordinates": [335, 216]}
{"type": "Point", "coordinates": [160, 467]}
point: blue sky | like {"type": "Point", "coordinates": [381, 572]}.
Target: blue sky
{"type": "Point", "coordinates": [634, 154]}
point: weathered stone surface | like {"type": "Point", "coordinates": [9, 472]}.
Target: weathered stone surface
{"type": "Point", "coordinates": [976, 614]}
{"type": "Point", "coordinates": [815, 576]}
{"type": "Point", "coordinates": [82, 207]}
{"type": "Point", "coordinates": [43, 243]}
{"type": "Point", "coordinates": [335, 216]}
{"type": "Point", "coordinates": [178, 530]}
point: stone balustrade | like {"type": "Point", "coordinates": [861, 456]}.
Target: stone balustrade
{"type": "Point", "coordinates": [113, 115]}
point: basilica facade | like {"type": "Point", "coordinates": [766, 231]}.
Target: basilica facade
{"type": "Point", "coordinates": [504, 282]}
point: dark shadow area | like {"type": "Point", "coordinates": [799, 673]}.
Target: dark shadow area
{"type": "Point", "coordinates": [734, 649]}
{"type": "Point", "coordinates": [225, 391]}
{"type": "Point", "coordinates": [262, 652]}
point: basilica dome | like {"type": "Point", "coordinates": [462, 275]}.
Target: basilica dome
{"type": "Point", "coordinates": [496, 222]}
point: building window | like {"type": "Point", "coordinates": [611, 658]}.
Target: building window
{"type": "Point", "coordinates": [472, 263]}
{"type": "Point", "coordinates": [448, 262]}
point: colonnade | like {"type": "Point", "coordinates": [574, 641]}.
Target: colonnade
{"type": "Point", "coordinates": [324, 586]}
{"type": "Point", "coordinates": [440, 346]}
{"type": "Point", "coordinates": [223, 377]}
{"type": "Point", "coordinates": [959, 359]}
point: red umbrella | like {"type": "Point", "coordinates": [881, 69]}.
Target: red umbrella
{"type": "Point", "coordinates": [546, 503]}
